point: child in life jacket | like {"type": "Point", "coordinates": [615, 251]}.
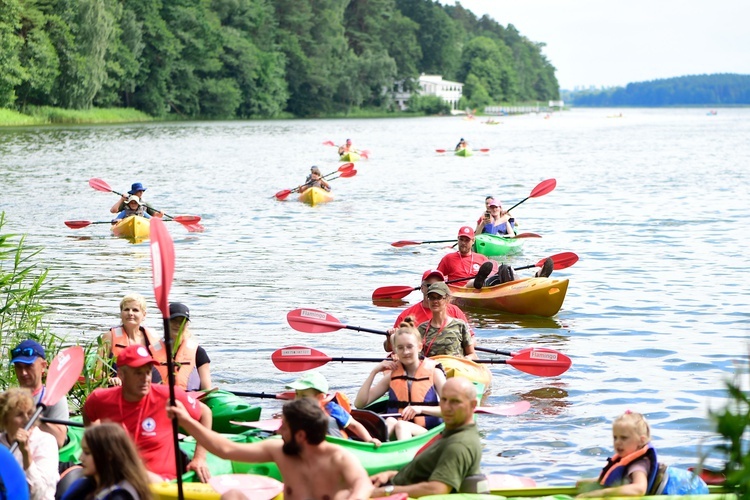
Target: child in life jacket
{"type": "Point", "coordinates": [635, 470]}
{"type": "Point", "coordinates": [413, 384]}
{"type": "Point", "coordinates": [314, 385]}
{"type": "Point", "coordinates": [133, 207]}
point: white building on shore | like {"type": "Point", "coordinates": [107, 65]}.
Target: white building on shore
{"type": "Point", "coordinates": [448, 91]}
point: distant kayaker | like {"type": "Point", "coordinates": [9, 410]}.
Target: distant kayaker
{"type": "Point", "coordinates": [444, 335]}
{"type": "Point", "coordinates": [133, 206]}
{"type": "Point", "coordinates": [313, 385]}
{"type": "Point", "coordinates": [312, 468]}
{"type": "Point", "coordinates": [136, 189]}
{"type": "Point", "coordinates": [462, 144]}
{"type": "Point", "coordinates": [411, 382]}
{"type": "Point", "coordinates": [139, 406]}
{"type": "Point", "coordinates": [446, 463]}
{"type": "Point", "coordinates": [346, 148]}
{"type": "Point", "coordinates": [635, 470]}
{"type": "Point", "coordinates": [193, 366]}
{"type": "Point", "coordinates": [315, 179]}
{"type": "Point", "coordinates": [421, 311]}
{"type": "Point", "coordinates": [465, 263]}
{"type": "Point", "coordinates": [495, 220]}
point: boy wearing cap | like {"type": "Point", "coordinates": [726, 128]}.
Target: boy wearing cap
{"type": "Point", "coordinates": [140, 407]}
{"type": "Point", "coordinates": [29, 363]}
{"type": "Point", "coordinates": [313, 385]}
{"type": "Point", "coordinates": [465, 263]}
{"type": "Point", "coordinates": [137, 190]}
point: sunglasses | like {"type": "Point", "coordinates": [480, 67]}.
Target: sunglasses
{"type": "Point", "coordinates": [24, 351]}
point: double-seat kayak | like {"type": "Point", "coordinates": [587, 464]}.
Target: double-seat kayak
{"type": "Point", "coordinates": [315, 195]}
{"type": "Point", "coordinates": [533, 296]}
{"type": "Point", "coordinates": [349, 156]}
{"type": "Point", "coordinates": [134, 228]}
{"type": "Point", "coordinates": [493, 244]}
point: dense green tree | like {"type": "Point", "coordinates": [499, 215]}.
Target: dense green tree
{"type": "Point", "coordinates": [123, 58]}
{"type": "Point", "coordinates": [11, 71]}
{"type": "Point", "coordinates": [437, 36]}
{"type": "Point", "coordinates": [489, 61]}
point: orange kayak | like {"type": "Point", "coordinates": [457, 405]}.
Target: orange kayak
{"type": "Point", "coordinates": [535, 296]}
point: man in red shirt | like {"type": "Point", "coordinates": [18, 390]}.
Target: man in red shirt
{"type": "Point", "coordinates": [465, 263]}
{"type": "Point", "coordinates": [421, 310]}
{"type": "Point", "coordinates": [141, 408]}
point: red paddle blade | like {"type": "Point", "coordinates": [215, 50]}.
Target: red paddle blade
{"type": "Point", "coordinates": [282, 195]}
{"type": "Point", "coordinates": [63, 373]}
{"type": "Point", "coordinates": [100, 185]}
{"type": "Point", "coordinates": [345, 167]}
{"type": "Point", "coordinates": [440, 150]}
{"type": "Point", "coordinates": [540, 362]}
{"type": "Point", "coordinates": [484, 150]}
{"type": "Point", "coordinates": [527, 235]}
{"type": "Point", "coordinates": [298, 359]}
{"type": "Point", "coordinates": [162, 263]}
{"type": "Point", "coordinates": [561, 260]}
{"type": "Point", "coordinates": [313, 321]}
{"type": "Point", "coordinates": [187, 219]}
{"type": "Point", "coordinates": [403, 243]}
{"type": "Point", "coordinates": [348, 173]}
{"type": "Point", "coordinates": [328, 143]}
{"type": "Point", "coordinates": [194, 228]}
{"type": "Point", "coordinates": [507, 410]}
{"type": "Point", "coordinates": [392, 292]}
{"type": "Point", "coordinates": [543, 188]}
{"type": "Point", "coordinates": [77, 224]}
{"type": "Point", "coordinates": [364, 154]}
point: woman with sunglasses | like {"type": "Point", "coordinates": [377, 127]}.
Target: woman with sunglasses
{"type": "Point", "coordinates": [443, 335]}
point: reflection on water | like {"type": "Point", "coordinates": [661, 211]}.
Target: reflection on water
{"type": "Point", "coordinates": [651, 321]}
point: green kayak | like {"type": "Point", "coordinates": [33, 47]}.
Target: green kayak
{"type": "Point", "coordinates": [493, 244]}
{"type": "Point", "coordinates": [350, 156]}
{"type": "Point", "coordinates": [564, 493]}
{"type": "Point", "coordinates": [463, 152]}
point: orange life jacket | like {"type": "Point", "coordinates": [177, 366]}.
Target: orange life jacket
{"type": "Point", "coordinates": [421, 391]}
{"type": "Point", "coordinates": [120, 340]}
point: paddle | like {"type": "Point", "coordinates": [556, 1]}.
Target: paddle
{"type": "Point", "coordinates": [403, 243]}
{"type": "Point", "coordinates": [363, 153]}
{"type": "Point", "coordinates": [541, 189]}
{"type": "Point", "coordinates": [539, 362]}
{"type": "Point", "coordinates": [162, 264]}
{"type": "Point", "coordinates": [482, 150]}
{"type": "Point", "coordinates": [282, 195]}
{"type": "Point", "coordinates": [561, 261]}
{"type": "Point", "coordinates": [101, 185]}
{"type": "Point", "coordinates": [185, 220]}
{"type": "Point", "coordinates": [288, 395]}
{"type": "Point", "coordinates": [62, 375]}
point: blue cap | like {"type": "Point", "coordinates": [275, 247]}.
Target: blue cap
{"type": "Point", "coordinates": [136, 187]}
{"type": "Point", "coordinates": [26, 352]}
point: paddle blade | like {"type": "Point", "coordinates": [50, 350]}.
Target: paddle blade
{"type": "Point", "coordinates": [328, 143]}
{"type": "Point", "coordinates": [540, 362]}
{"type": "Point", "coordinates": [403, 243]}
{"type": "Point", "coordinates": [543, 188]}
{"type": "Point", "coordinates": [77, 224]}
{"type": "Point", "coordinates": [484, 150]}
{"type": "Point", "coordinates": [298, 359]}
{"type": "Point", "coordinates": [187, 219]}
{"type": "Point", "coordinates": [282, 195]}
{"type": "Point", "coordinates": [441, 151]}
{"type": "Point", "coordinates": [63, 373]}
{"type": "Point", "coordinates": [392, 292]}
{"type": "Point", "coordinates": [250, 485]}
{"type": "Point", "coordinates": [194, 228]}
{"type": "Point", "coordinates": [313, 321]}
{"type": "Point", "coordinates": [526, 235]}
{"type": "Point", "coordinates": [505, 410]}
{"type": "Point", "coordinates": [100, 185]}
{"type": "Point", "coordinates": [345, 167]}
{"type": "Point", "coordinates": [162, 263]}
{"type": "Point", "coordinates": [364, 154]}
{"type": "Point", "coordinates": [348, 173]}
{"type": "Point", "coordinates": [561, 260]}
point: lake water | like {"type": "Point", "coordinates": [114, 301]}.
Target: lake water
{"type": "Point", "coordinates": [655, 204]}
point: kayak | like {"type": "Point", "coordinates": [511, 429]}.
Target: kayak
{"type": "Point", "coordinates": [135, 228]}
{"type": "Point", "coordinates": [314, 195]}
{"type": "Point", "coordinates": [533, 296]}
{"type": "Point", "coordinates": [564, 492]}
{"type": "Point", "coordinates": [493, 244]}
{"type": "Point", "coordinates": [252, 486]}
{"type": "Point", "coordinates": [350, 156]}
{"type": "Point", "coordinates": [480, 375]}
{"type": "Point", "coordinates": [463, 152]}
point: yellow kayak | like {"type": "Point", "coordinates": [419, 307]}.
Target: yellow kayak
{"type": "Point", "coordinates": [315, 195]}
{"type": "Point", "coordinates": [535, 296]}
{"type": "Point", "coordinates": [134, 228]}
{"type": "Point", "coordinates": [350, 156]}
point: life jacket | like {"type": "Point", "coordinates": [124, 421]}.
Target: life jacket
{"type": "Point", "coordinates": [123, 485]}
{"type": "Point", "coordinates": [186, 373]}
{"type": "Point", "coordinates": [343, 401]}
{"type": "Point", "coordinates": [421, 391]}
{"type": "Point", "coordinates": [120, 340]}
{"type": "Point", "coordinates": [616, 471]}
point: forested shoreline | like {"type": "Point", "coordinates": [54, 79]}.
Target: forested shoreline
{"type": "Point", "coordinates": [256, 58]}
{"type": "Point", "coordinates": [692, 90]}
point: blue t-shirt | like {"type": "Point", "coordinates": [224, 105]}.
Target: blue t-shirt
{"type": "Point", "coordinates": [340, 415]}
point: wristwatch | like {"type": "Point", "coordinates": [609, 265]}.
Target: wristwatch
{"type": "Point", "coordinates": [388, 490]}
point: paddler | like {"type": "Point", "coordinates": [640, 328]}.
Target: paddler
{"type": "Point", "coordinates": [313, 385]}
{"type": "Point", "coordinates": [466, 263]}
{"type": "Point", "coordinates": [312, 468]}
{"type": "Point", "coordinates": [444, 335]}
{"type": "Point", "coordinates": [133, 206]}
{"type": "Point", "coordinates": [136, 189]}
{"type": "Point", "coordinates": [462, 144]}
{"type": "Point", "coordinates": [446, 463]}
{"type": "Point", "coordinates": [496, 221]}
{"type": "Point", "coordinates": [193, 366]}
{"type": "Point", "coordinates": [347, 147]}
{"type": "Point", "coordinates": [315, 179]}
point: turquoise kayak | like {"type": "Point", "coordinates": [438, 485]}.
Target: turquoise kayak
{"type": "Point", "coordinates": [493, 245]}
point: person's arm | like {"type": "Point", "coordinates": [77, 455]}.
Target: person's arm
{"type": "Point", "coordinates": [467, 342]}
{"type": "Point", "coordinates": [416, 490]}
{"type": "Point", "coordinates": [355, 478]}
{"type": "Point", "coordinates": [325, 185]}
{"type": "Point", "coordinates": [59, 411]}
{"type": "Point", "coordinates": [41, 471]}
{"type": "Point", "coordinates": [370, 391]}
{"type": "Point", "coordinates": [198, 463]}
{"type": "Point", "coordinates": [359, 430]}
{"type": "Point", "coordinates": [438, 380]}
{"type": "Point", "coordinates": [221, 446]}
{"type": "Point", "coordinates": [635, 489]}
{"type": "Point", "coordinates": [118, 204]}
{"type": "Point", "coordinates": [204, 373]}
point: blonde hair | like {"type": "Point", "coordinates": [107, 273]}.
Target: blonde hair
{"type": "Point", "coordinates": [13, 399]}
{"type": "Point", "coordinates": [635, 421]}
{"type": "Point", "coordinates": [406, 327]}
{"type": "Point", "coordinates": [134, 297]}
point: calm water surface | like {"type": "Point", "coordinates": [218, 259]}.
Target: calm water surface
{"type": "Point", "coordinates": [654, 203]}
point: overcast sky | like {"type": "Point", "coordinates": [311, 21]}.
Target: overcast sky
{"type": "Point", "coordinates": [615, 42]}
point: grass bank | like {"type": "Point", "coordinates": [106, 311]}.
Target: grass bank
{"type": "Point", "coordinates": [47, 115]}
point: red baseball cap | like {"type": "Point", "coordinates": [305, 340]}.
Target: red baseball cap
{"type": "Point", "coordinates": [466, 231]}
{"type": "Point", "coordinates": [135, 356]}
{"type": "Point", "coordinates": [432, 272]}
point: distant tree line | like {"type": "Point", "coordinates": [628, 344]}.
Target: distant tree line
{"type": "Point", "coordinates": [716, 89]}
{"type": "Point", "coordinates": [256, 58]}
